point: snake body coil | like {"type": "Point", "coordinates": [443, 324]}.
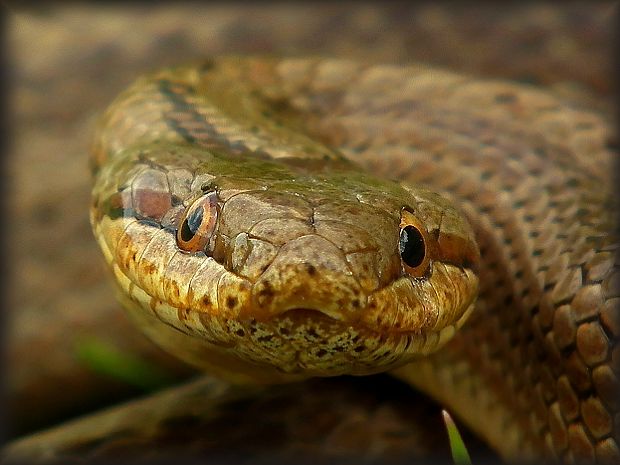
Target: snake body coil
{"type": "Point", "coordinates": [244, 238]}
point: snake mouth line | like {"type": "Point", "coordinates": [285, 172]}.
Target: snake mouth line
{"type": "Point", "coordinates": [308, 312]}
{"type": "Point", "coordinates": [317, 318]}
{"type": "Point", "coordinates": [320, 329]}
{"type": "Point", "coordinates": [302, 315]}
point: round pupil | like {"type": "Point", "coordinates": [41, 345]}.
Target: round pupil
{"type": "Point", "coordinates": [191, 224]}
{"type": "Point", "coordinates": [411, 245]}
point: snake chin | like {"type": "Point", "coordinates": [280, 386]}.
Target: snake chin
{"type": "Point", "coordinates": [309, 342]}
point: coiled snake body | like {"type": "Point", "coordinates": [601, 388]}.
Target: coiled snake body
{"type": "Point", "coordinates": [231, 205]}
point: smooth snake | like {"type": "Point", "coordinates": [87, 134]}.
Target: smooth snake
{"type": "Point", "coordinates": [244, 238]}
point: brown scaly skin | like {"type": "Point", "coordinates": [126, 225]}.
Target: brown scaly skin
{"type": "Point", "coordinates": [533, 369]}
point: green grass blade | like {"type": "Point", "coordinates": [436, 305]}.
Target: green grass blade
{"type": "Point", "coordinates": [457, 446]}
{"type": "Point", "coordinates": [106, 359]}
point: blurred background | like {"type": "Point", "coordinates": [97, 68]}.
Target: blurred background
{"type": "Point", "coordinates": [65, 331]}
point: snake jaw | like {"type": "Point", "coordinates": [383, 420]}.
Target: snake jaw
{"type": "Point", "coordinates": [424, 306]}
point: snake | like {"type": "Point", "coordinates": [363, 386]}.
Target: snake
{"type": "Point", "coordinates": [274, 219]}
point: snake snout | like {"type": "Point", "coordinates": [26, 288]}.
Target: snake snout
{"type": "Point", "coordinates": [309, 273]}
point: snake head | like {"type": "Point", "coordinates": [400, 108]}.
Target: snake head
{"type": "Point", "coordinates": [263, 271]}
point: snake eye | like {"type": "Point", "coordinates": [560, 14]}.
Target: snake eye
{"type": "Point", "coordinates": [198, 224]}
{"type": "Point", "coordinates": [412, 245]}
